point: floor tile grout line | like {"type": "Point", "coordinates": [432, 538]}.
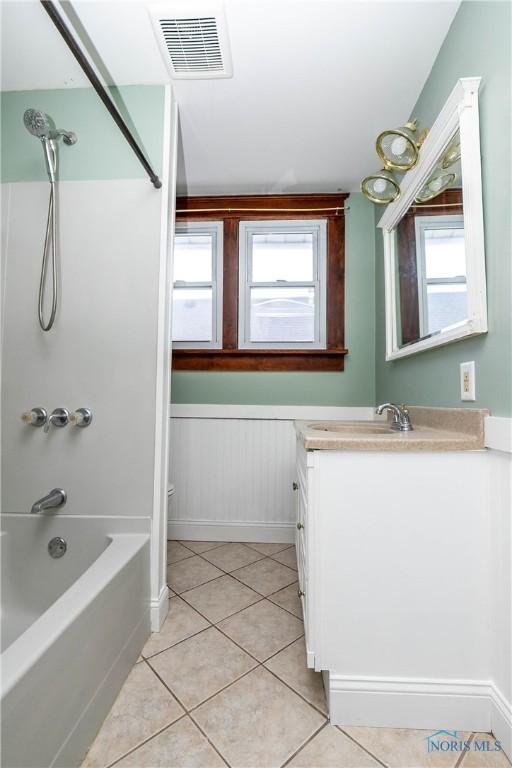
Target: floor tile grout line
{"type": "Point", "coordinates": [462, 757]}
{"type": "Point", "coordinates": [230, 638]}
{"type": "Point", "coordinates": [251, 543]}
{"type": "Point", "coordinates": [181, 541]}
{"type": "Point", "coordinates": [226, 573]}
{"type": "Point", "coordinates": [193, 709]}
{"type": "Point", "coordinates": [241, 646]}
{"type": "Point", "coordinates": [260, 596]}
{"type": "Point", "coordinates": [178, 642]}
{"type": "Point", "coordinates": [150, 738]}
{"type": "Point", "coordinates": [259, 593]}
{"type": "Point", "coordinates": [230, 615]}
{"type": "Point", "coordinates": [258, 664]}
{"type": "Point", "coordinates": [365, 749]}
{"type": "Point", "coordinates": [288, 685]}
{"type": "Point", "coordinates": [221, 577]}
{"type": "Point", "coordinates": [302, 746]}
{"type": "Point", "coordinates": [209, 740]}
{"type": "Point", "coordinates": [230, 573]}
{"type": "Point", "coordinates": [261, 556]}
{"type": "Point", "coordinates": [263, 597]}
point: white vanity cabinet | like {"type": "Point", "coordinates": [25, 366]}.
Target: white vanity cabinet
{"type": "Point", "coordinates": [394, 565]}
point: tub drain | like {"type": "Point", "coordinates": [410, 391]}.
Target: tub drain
{"type": "Point", "coordinates": [57, 547]}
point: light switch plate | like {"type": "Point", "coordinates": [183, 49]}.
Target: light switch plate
{"type": "Point", "coordinates": [467, 381]}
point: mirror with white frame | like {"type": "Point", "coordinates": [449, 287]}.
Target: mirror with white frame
{"type": "Point", "coordinates": [433, 236]}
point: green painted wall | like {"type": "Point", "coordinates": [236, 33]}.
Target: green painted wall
{"type": "Point", "coordinates": [101, 151]}
{"type": "Point", "coordinates": [478, 43]}
{"type": "Point", "coordinates": [354, 386]}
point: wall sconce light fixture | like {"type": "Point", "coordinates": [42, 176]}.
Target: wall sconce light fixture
{"type": "Point", "coordinates": [398, 148]}
{"type": "Point", "coordinates": [380, 187]}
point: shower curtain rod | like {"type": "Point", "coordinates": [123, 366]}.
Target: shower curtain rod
{"type": "Point", "coordinates": [51, 10]}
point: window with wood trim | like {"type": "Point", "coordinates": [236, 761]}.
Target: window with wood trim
{"type": "Point", "coordinates": [282, 284]}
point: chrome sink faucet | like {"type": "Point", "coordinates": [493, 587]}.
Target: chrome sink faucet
{"type": "Point", "coordinates": [401, 421]}
{"type": "Point", "coordinates": [53, 500]}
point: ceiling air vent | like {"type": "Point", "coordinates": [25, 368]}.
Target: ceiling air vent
{"type": "Point", "coordinates": [193, 39]}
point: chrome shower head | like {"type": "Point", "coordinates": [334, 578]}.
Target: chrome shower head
{"type": "Point", "coordinates": [38, 124]}
{"type": "Point", "coordinates": [41, 125]}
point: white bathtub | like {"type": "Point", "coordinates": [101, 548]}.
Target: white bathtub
{"type": "Point", "coordinates": [71, 630]}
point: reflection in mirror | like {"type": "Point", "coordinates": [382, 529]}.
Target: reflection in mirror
{"type": "Point", "coordinates": [430, 252]}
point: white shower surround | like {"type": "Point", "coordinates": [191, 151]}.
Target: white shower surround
{"type": "Point", "coordinates": [109, 351]}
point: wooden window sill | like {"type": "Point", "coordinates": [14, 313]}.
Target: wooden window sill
{"type": "Point", "coordinates": [258, 359]}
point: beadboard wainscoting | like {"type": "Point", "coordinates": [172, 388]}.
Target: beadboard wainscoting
{"type": "Point", "coordinates": [233, 467]}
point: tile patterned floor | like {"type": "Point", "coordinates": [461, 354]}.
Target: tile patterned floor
{"type": "Point", "coordinates": [225, 682]}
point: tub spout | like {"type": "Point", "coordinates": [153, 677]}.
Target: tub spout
{"type": "Point", "coordinates": [53, 500]}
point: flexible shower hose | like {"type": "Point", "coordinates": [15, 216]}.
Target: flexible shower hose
{"type": "Point", "coordinates": [50, 239]}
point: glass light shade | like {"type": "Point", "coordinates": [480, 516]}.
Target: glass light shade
{"type": "Point", "coordinates": [452, 154]}
{"type": "Point", "coordinates": [397, 148]}
{"type": "Point", "coordinates": [437, 183]}
{"type": "Point", "coordinates": [380, 187]}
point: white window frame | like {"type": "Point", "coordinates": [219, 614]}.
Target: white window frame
{"type": "Point", "coordinates": [316, 227]}
{"type": "Point", "coordinates": [216, 229]}
{"type": "Point", "coordinates": [421, 224]}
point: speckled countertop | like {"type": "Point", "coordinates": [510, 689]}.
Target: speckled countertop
{"type": "Point", "coordinates": [435, 429]}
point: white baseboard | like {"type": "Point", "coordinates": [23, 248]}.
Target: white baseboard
{"type": "Point", "coordinates": [159, 610]}
{"type": "Point", "coordinates": [501, 721]}
{"type": "Point", "coordinates": [419, 704]}
{"type": "Point", "coordinates": [204, 530]}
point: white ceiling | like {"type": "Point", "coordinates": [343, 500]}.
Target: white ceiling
{"type": "Point", "coordinates": [314, 82]}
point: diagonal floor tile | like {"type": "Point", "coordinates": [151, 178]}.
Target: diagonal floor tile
{"type": "Point", "coordinates": [181, 622]}
{"type": "Point", "coordinates": [287, 557]}
{"type": "Point", "coordinates": [257, 722]}
{"type": "Point", "coordinates": [143, 707]}
{"type": "Point", "coordinates": [290, 666]}
{"type": "Point", "coordinates": [177, 552]}
{"type": "Point", "coordinates": [231, 556]}
{"type": "Point", "coordinates": [189, 573]}
{"type": "Point", "coordinates": [182, 744]}
{"type": "Point", "coordinates": [266, 576]}
{"type": "Point", "coordinates": [403, 748]}
{"type": "Point", "coordinates": [262, 629]}
{"type": "Point", "coordinates": [267, 549]}
{"type": "Point", "coordinates": [482, 758]}
{"type": "Point", "coordinates": [221, 598]}
{"type": "Point", "coordinates": [332, 749]}
{"type": "Point", "coordinates": [201, 666]}
{"type": "Point", "coordinates": [202, 546]}
{"type": "Point", "coordinates": [288, 599]}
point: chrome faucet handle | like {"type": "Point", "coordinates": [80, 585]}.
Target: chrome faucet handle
{"type": "Point", "coordinates": [59, 418]}
{"type": "Point", "coordinates": [36, 417]}
{"type": "Point", "coordinates": [82, 417]}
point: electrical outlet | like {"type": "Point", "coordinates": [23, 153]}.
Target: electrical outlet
{"type": "Point", "coordinates": [467, 381]}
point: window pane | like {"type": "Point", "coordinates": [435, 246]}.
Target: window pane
{"type": "Point", "coordinates": [282, 314]}
{"type": "Point", "coordinates": [447, 304]}
{"type": "Point", "coordinates": [444, 253]}
{"type": "Point", "coordinates": [192, 314]}
{"type": "Point", "coordinates": [193, 258]}
{"type": "Point", "coordinates": [282, 256]}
